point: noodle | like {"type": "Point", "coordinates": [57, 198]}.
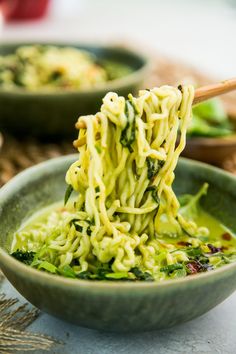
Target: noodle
{"type": "Point", "coordinates": [125, 178]}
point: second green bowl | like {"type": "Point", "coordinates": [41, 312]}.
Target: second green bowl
{"type": "Point", "coordinates": [54, 113]}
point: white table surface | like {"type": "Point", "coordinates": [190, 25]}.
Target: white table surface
{"type": "Point", "coordinates": [201, 33]}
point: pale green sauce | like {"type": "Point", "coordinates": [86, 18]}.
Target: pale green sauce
{"type": "Point", "coordinates": [203, 219]}
{"type": "Point", "coordinates": [215, 227]}
{"type": "Point", "coordinates": [216, 249]}
{"type": "Point", "coordinates": [216, 231]}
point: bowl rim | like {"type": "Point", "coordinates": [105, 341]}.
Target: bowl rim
{"type": "Point", "coordinates": [60, 281]}
{"type": "Point", "coordinates": [229, 140]}
{"type": "Point", "coordinates": [99, 88]}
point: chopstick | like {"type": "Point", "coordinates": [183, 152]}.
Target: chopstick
{"type": "Point", "coordinates": [201, 94]}
{"type": "Point", "coordinates": [213, 90]}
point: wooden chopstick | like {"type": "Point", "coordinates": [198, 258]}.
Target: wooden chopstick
{"type": "Point", "coordinates": [213, 90]}
{"type": "Point", "coordinates": [201, 94]}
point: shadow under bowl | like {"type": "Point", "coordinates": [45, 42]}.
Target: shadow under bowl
{"type": "Point", "coordinates": [54, 113]}
{"type": "Point", "coordinates": [115, 306]}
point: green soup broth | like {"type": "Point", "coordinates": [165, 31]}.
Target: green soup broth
{"type": "Point", "coordinates": [176, 257]}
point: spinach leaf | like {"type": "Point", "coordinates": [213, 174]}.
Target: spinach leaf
{"type": "Point", "coordinates": [194, 252]}
{"type": "Point", "coordinates": [210, 119]}
{"type": "Point", "coordinates": [77, 227]}
{"type": "Point", "coordinates": [69, 190]}
{"type": "Point", "coordinates": [155, 196]}
{"type": "Point", "coordinates": [49, 267]}
{"type": "Point", "coordinates": [84, 275]}
{"type": "Point", "coordinates": [128, 133]}
{"type": "Point", "coordinates": [97, 189]}
{"type": "Point", "coordinates": [141, 275]}
{"type": "Point", "coordinates": [171, 268]}
{"type": "Point", "coordinates": [198, 261]}
{"type": "Point", "coordinates": [153, 166]}
{"type": "Point", "coordinates": [191, 209]}
{"type": "Point", "coordinates": [211, 110]}
{"type": "Point", "coordinates": [117, 276]}
{"type": "Point", "coordinates": [89, 231]}
{"type": "Point", "coordinates": [80, 228]}
{"type": "Point", "coordinates": [55, 75]}
{"type": "Point", "coordinates": [24, 257]}
{"type": "Point", "coordinates": [103, 274]}
{"type": "Point", "coordinates": [200, 127]}
{"type": "Point", "coordinates": [179, 273]}
{"type": "Point", "coordinates": [67, 271]}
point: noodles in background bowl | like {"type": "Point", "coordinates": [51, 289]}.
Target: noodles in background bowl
{"type": "Point", "coordinates": [49, 67]}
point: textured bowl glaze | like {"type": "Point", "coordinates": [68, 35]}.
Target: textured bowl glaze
{"type": "Point", "coordinates": [54, 113]}
{"type": "Point", "coordinates": [115, 306]}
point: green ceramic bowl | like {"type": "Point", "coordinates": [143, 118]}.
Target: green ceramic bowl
{"type": "Point", "coordinates": [54, 113]}
{"type": "Point", "coordinates": [115, 306]}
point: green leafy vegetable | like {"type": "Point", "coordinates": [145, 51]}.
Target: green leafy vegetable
{"type": "Point", "coordinates": [194, 252]}
{"type": "Point", "coordinates": [211, 110]}
{"type": "Point", "coordinates": [115, 70]}
{"type": "Point", "coordinates": [153, 166]}
{"type": "Point", "coordinates": [89, 231]}
{"type": "Point", "coordinates": [154, 191]}
{"type": "Point", "coordinates": [179, 273]}
{"type": "Point", "coordinates": [117, 276]}
{"type": "Point", "coordinates": [55, 75]}
{"type": "Point", "coordinates": [103, 274]}
{"type": "Point", "coordinates": [98, 148]}
{"type": "Point", "coordinates": [49, 267]}
{"type": "Point", "coordinates": [77, 227]}
{"type": "Point", "coordinates": [24, 257]}
{"type": "Point", "coordinates": [171, 268]}
{"type": "Point", "coordinates": [69, 190]}
{"type": "Point", "coordinates": [67, 271]}
{"type": "Point", "coordinates": [210, 120]}
{"type": "Point", "coordinates": [190, 203]}
{"type": "Point", "coordinates": [141, 275]}
{"type": "Point", "coordinates": [198, 261]}
{"type": "Point", "coordinates": [128, 133]}
{"type": "Point", "coordinates": [84, 275]}
{"type": "Point", "coordinates": [200, 127]}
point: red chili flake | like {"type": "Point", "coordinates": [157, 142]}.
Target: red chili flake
{"type": "Point", "coordinates": [213, 248]}
{"type": "Point", "coordinates": [226, 236]}
{"type": "Point", "coordinates": [194, 267]}
{"type": "Point", "coordinates": [224, 248]}
{"type": "Point", "coordinates": [184, 243]}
